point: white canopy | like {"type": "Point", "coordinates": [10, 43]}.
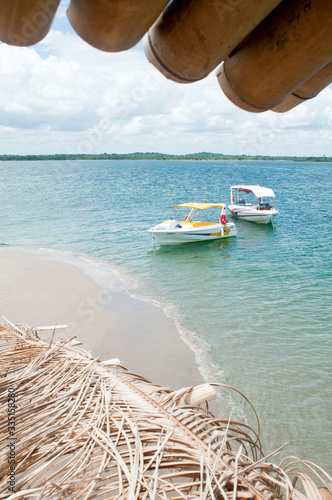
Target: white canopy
{"type": "Point", "coordinates": [258, 191]}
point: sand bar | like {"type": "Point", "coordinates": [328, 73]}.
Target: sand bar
{"type": "Point", "coordinates": [106, 319]}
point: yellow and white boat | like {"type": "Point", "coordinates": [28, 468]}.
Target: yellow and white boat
{"type": "Point", "coordinates": [192, 228]}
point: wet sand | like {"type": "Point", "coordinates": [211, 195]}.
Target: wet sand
{"type": "Point", "coordinates": [106, 319]}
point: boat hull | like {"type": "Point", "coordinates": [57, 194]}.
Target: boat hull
{"type": "Point", "coordinates": [251, 214]}
{"type": "Point", "coordinates": [177, 236]}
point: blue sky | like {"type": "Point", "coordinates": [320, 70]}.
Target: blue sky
{"type": "Point", "coordinates": [63, 96]}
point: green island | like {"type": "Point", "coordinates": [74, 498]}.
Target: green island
{"type": "Point", "coordinates": [162, 156]}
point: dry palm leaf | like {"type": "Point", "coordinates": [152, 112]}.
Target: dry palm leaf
{"type": "Point", "coordinates": [87, 429]}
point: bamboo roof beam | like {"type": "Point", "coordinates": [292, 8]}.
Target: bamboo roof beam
{"type": "Point", "coordinates": [308, 90]}
{"type": "Point", "coordinates": [26, 22]}
{"type": "Point", "coordinates": [113, 25]}
{"type": "Point", "coordinates": [281, 54]}
{"type": "Point", "coordinates": [191, 38]}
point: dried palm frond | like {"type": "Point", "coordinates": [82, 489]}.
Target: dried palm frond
{"type": "Point", "coordinates": [88, 429]}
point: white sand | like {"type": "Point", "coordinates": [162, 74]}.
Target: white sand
{"type": "Point", "coordinates": [38, 292]}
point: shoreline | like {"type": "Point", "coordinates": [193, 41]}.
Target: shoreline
{"type": "Point", "coordinates": [44, 291]}
{"type": "Point", "coordinates": [202, 156]}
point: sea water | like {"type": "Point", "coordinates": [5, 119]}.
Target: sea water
{"type": "Point", "coordinates": [255, 309]}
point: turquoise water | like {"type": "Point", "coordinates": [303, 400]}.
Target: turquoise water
{"type": "Point", "coordinates": [256, 309]}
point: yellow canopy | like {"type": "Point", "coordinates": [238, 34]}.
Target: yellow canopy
{"type": "Point", "coordinates": [201, 206]}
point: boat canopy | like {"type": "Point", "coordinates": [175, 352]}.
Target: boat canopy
{"type": "Point", "coordinates": [258, 191]}
{"type": "Point", "coordinates": [201, 206]}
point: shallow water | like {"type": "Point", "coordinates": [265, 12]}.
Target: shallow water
{"type": "Point", "coordinates": [256, 309]}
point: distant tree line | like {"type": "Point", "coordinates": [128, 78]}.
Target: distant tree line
{"type": "Point", "coordinates": [161, 156]}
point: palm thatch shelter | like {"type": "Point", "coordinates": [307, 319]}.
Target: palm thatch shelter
{"type": "Point", "coordinates": [269, 55]}
{"type": "Point", "coordinates": [75, 427]}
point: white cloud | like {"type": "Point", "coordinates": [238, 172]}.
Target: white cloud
{"type": "Point", "coordinates": [64, 96]}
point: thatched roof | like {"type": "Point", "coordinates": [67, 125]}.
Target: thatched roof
{"type": "Point", "coordinates": [83, 428]}
{"type": "Point", "coordinates": [271, 54]}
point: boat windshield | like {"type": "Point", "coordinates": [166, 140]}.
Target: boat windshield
{"type": "Point", "coordinates": [197, 215]}
{"type": "Point", "coordinates": [201, 206]}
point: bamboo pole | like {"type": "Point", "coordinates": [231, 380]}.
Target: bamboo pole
{"type": "Point", "coordinates": [113, 25]}
{"type": "Point", "coordinates": [288, 48]}
{"type": "Point", "coordinates": [191, 38]}
{"type": "Point", "coordinates": [310, 89]}
{"type": "Point", "coordinates": [26, 22]}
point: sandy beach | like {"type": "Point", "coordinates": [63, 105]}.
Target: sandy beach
{"type": "Point", "coordinates": [106, 319]}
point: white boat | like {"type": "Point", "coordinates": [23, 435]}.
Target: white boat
{"type": "Point", "coordinates": [259, 210]}
{"type": "Point", "coordinates": [190, 228]}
